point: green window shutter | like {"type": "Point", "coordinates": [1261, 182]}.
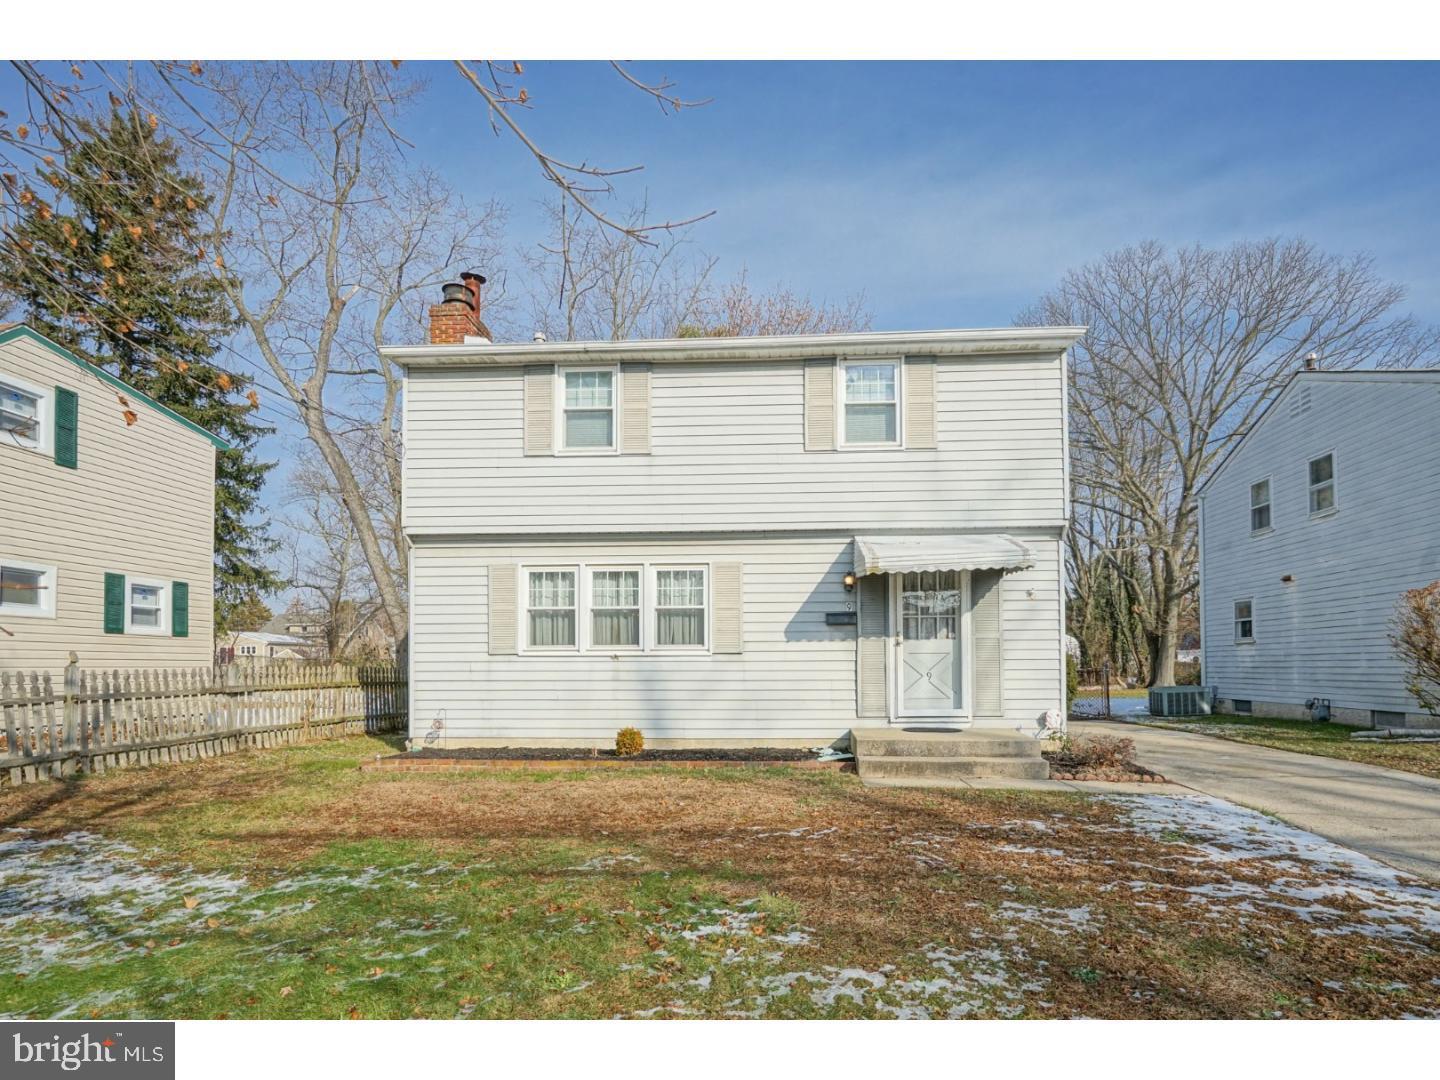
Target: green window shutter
{"type": "Point", "coordinates": [114, 603]}
{"type": "Point", "coordinates": [179, 609]}
{"type": "Point", "coordinates": [67, 428]}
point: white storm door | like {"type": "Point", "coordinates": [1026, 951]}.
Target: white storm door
{"type": "Point", "coordinates": [928, 643]}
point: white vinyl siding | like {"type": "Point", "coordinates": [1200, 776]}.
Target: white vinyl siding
{"type": "Point", "coordinates": [1324, 632]}
{"type": "Point", "coordinates": [796, 678]}
{"type": "Point", "coordinates": [1321, 471]}
{"type": "Point", "coordinates": [142, 501]}
{"type": "Point", "coordinates": [870, 403]}
{"type": "Point", "coordinates": [26, 589]}
{"type": "Point", "coordinates": [728, 451]}
{"type": "Point", "coordinates": [1260, 506]}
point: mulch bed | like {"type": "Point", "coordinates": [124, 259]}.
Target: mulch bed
{"type": "Point", "coordinates": [561, 757]}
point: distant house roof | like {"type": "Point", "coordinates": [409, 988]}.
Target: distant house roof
{"type": "Point", "coordinates": [1356, 375]}
{"type": "Point", "coordinates": [12, 331]}
{"type": "Point", "coordinates": [271, 639]}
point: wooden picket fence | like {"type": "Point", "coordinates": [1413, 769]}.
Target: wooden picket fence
{"type": "Point", "coordinates": [97, 720]}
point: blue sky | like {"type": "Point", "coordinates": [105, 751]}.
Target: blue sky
{"type": "Point", "coordinates": [952, 194]}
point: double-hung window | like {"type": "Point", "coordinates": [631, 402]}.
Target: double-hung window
{"type": "Point", "coordinates": [870, 393]}
{"type": "Point", "coordinates": [26, 589]}
{"type": "Point", "coordinates": [1322, 483]}
{"type": "Point", "coordinates": [680, 608]}
{"type": "Point", "coordinates": [1244, 621]}
{"type": "Point", "coordinates": [588, 409]}
{"type": "Point", "coordinates": [552, 607]}
{"type": "Point", "coordinates": [1260, 505]}
{"type": "Point", "coordinates": [24, 414]}
{"type": "Point", "coordinates": [615, 609]}
{"type": "Point", "coordinates": [146, 607]}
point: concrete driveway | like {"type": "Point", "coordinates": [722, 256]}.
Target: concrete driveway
{"type": "Point", "coordinates": [1389, 815]}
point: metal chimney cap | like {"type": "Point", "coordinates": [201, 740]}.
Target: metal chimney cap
{"type": "Point", "coordinates": [470, 275]}
{"type": "Point", "coordinates": [454, 292]}
{"type": "Point", "coordinates": [1312, 362]}
{"type": "Point", "coordinates": [539, 336]}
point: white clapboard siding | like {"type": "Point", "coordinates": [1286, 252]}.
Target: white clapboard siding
{"type": "Point", "coordinates": [728, 452]}
{"type": "Point", "coordinates": [141, 502]}
{"type": "Point", "coordinates": [1324, 634]}
{"type": "Point", "coordinates": [795, 679]}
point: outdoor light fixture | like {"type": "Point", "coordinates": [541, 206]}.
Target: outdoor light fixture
{"type": "Point", "coordinates": [850, 582]}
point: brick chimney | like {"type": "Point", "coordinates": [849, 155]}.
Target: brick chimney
{"type": "Point", "coordinates": [458, 316]}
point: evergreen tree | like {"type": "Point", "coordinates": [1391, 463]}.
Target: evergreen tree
{"type": "Point", "coordinates": [104, 259]}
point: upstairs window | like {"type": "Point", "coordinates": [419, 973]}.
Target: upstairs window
{"type": "Point", "coordinates": [146, 607]}
{"type": "Point", "coordinates": [1244, 621]}
{"type": "Point", "coordinates": [1260, 505]}
{"type": "Point", "coordinates": [22, 414]}
{"type": "Point", "coordinates": [589, 410]}
{"type": "Point", "coordinates": [871, 393]}
{"type": "Point", "coordinates": [552, 609]}
{"type": "Point", "coordinates": [1322, 484]}
{"type": "Point", "coordinates": [26, 589]}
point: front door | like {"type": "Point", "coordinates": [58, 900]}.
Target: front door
{"type": "Point", "coordinates": [928, 643]}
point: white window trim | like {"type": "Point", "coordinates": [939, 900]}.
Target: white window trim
{"type": "Point", "coordinates": [648, 591]}
{"type": "Point", "coordinates": [1236, 620]}
{"type": "Point", "coordinates": [1269, 502]}
{"type": "Point", "coordinates": [1334, 483]}
{"type": "Point", "coordinates": [579, 609]}
{"type": "Point", "coordinates": [654, 608]}
{"type": "Point", "coordinates": [163, 630]}
{"type": "Point", "coordinates": [561, 450]}
{"type": "Point", "coordinates": [50, 580]}
{"type": "Point", "coordinates": [45, 411]}
{"type": "Point", "coordinates": [841, 365]}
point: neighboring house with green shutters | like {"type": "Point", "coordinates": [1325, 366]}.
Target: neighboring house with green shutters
{"type": "Point", "coordinates": [734, 540]}
{"type": "Point", "coordinates": [107, 508]}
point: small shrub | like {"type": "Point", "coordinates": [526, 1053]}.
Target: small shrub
{"type": "Point", "coordinates": [629, 741]}
{"type": "Point", "coordinates": [1100, 751]}
{"type": "Point", "coordinates": [1072, 680]}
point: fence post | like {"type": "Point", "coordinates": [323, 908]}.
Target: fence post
{"type": "Point", "coordinates": [72, 702]}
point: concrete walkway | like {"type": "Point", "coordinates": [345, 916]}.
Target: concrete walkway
{"type": "Point", "coordinates": [1389, 815]}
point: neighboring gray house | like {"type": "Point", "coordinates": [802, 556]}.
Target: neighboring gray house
{"type": "Point", "coordinates": [1323, 514]}
{"type": "Point", "coordinates": [734, 540]}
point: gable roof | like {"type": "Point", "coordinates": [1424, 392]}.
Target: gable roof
{"type": "Point", "coordinates": [12, 331]}
{"type": "Point", "coordinates": [1360, 376]}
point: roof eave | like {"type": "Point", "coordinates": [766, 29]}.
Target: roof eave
{"type": "Point", "coordinates": [1041, 339]}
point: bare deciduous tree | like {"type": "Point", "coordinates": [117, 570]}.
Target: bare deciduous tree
{"type": "Point", "coordinates": [1184, 349]}
{"type": "Point", "coordinates": [1415, 634]}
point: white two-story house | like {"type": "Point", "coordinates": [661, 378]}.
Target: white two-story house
{"type": "Point", "coordinates": [732, 540]}
{"type": "Point", "coordinates": [1310, 530]}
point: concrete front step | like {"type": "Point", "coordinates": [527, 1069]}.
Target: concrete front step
{"type": "Point", "coordinates": [915, 767]}
{"type": "Point", "coordinates": [889, 742]}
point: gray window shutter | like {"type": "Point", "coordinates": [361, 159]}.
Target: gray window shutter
{"type": "Point", "coordinates": [819, 404]}
{"type": "Point", "coordinates": [635, 408]}
{"type": "Point", "coordinates": [727, 593]}
{"type": "Point", "coordinates": [873, 647]}
{"type": "Point", "coordinates": [540, 409]}
{"type": "Point", "coordinates": [504, 604]}
{"type": "Point", "coordinates": [920, 403]}
{"type": "Point", "coordinates": [985, 616]}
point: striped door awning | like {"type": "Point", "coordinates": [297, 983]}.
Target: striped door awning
{"type": "Point", "coordinates": [956, 551]}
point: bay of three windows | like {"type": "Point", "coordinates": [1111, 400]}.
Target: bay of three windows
{"type": "Point", "coordinates": [1320, 473]}
{"type": "Point", "coordinates": [617, 607]}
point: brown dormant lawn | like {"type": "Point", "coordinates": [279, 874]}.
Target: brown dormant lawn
{"type": "Point", "coordinates": [291, 884]}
